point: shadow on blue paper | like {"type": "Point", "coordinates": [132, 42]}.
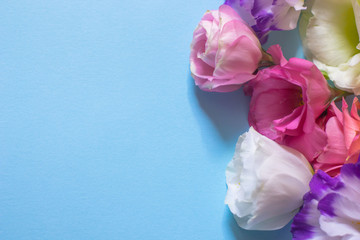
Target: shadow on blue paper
{"type": "Point", "coordinates": [228, 114]}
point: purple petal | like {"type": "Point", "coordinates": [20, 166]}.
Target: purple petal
{"type": "Point", "coordinates": [301, 228]}
{"type": "Point", "coordinates": [321, 184]}
{"type": "Point", "coordinates": [325, 205]}
{"type": "Point", "coordinates": [351, 170]}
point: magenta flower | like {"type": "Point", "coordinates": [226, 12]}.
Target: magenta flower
{"type": "Point", "coordinates": [286, 101]}
{"type": "Point", "coordinates": [224, 52]}
{"type": "Point", "coordinates": [268, 15]}
{"type": "Point", "coordinates": [331, 209]}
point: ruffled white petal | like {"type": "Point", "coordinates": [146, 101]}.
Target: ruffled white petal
{"type": "Point", "coordinates": [266, 182]}
{"type": "Point", "coordinates": [332, 34]}
{"type": "Point", "coordinates": [332, 40]}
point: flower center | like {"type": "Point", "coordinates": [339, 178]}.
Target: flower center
{"type": "Point", "coordinates": [350, 30]}
{"type": "Point", "coordinates": [301, 100]}
{"type": "Point", "coordinates": [356, 225]}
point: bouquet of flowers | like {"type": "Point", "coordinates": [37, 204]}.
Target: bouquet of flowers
{"type": "Point", "coordinates": [299, 159]}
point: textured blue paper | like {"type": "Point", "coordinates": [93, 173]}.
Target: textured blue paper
{"type": "Point", "coordinates": [102, 132]}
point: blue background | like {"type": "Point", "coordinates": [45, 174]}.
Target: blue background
{"type": "Point", "coordinates": [103, 134]}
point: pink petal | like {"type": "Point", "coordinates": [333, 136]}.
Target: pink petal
{"type": "Point", "coordinates": [351, 125]}
{"type": "Point", "coordinates": [289, 124]}
{"type": "Point", "coordinates": [310, 144]}
{"type": "Point", "coordinates": [242, 56]}
{"type": "Point", "coordinates": [277, 55]}
{"type": "Point", "coordinates": [335, 152]}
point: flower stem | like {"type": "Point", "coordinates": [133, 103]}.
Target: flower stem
{"type": "Point", "coordinates": [266, 61]}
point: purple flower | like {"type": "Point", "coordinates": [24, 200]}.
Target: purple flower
{"type": "Point", "coordinates": [267, 15]}
{"type": "Point", "coordinates": [331, 209]}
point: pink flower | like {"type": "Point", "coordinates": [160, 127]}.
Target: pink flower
{"type": "Point", "coordinates": [343, 146]}
{"type": "Point", "coordinates": [352, 127]}
{"type": "Point", "coordinates": [224, 51]}
{"type": "Point", "coordinates": [286, 101]}
{"type": "Point", "coordinates": [334, 153]}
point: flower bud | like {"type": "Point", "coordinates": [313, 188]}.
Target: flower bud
{"type": "Point", "coordinates": [266, 182]}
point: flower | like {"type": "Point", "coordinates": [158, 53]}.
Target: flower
{"type": "Point", "coordinates": [343, 146]}
{"type": "Point", "coordinates": [224, 51]}
{"type": "Point", "coordinates": [352, 127]}
{"type": "Point", "coordinates": [266, 182]}
{"type": "Point", "coordinates": [265, 16]}
{"type": "Point", "coordinates": [286, 101]}
{"type": "Point", "coordinates": [334, 153]}
{"type": "Point", "coordinates": [336, 54]}
{"type": "Point", "coordinates": [332, 207]}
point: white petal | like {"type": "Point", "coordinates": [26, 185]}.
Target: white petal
{"type": "Point", "coordinates": [356, 7]}
{"type": "Point", "coordinates": [266, 182]}
{"type": "Point", "coordinates": [332, 34]}
{"type": "Point", "coordinates": [346, 76]}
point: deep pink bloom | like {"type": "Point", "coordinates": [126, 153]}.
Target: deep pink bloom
{"type": "Point", "coordinates": [224, 51]}
{"type": "Point", "coordinates": [286, 101]}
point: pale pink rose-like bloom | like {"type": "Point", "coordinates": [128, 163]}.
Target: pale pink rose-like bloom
{"type": "Point", "coordinates": [225, 52]}
{"type": "Point", "coordinates": [343, 138]}
{"type": "Point", "coordinates": [286, 101]}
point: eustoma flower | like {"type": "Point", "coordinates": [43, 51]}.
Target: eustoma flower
{"type": "Point", "coordinates": [343, 138]}
{"type": "Point", "coordinates": [286, 101]}
{"type": "Point", "coordinates": [266, 182]}
{"type": "Point", "coordinates": [267, 15]}
{"type": "Point", "coordinates": [224, 52]}
{"type": "Point", "coordinates": [331, 39]}
{"type": "Point", "coordinates": [331, 209]}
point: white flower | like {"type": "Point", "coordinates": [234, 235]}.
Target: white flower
{"type": "Point", "coordinates": [266, 182]}
{"type": "Point", "coordinates": [331, 40]}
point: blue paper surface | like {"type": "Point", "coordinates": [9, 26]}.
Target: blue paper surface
{"type": "Point", "coordinates": [103, 134]}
